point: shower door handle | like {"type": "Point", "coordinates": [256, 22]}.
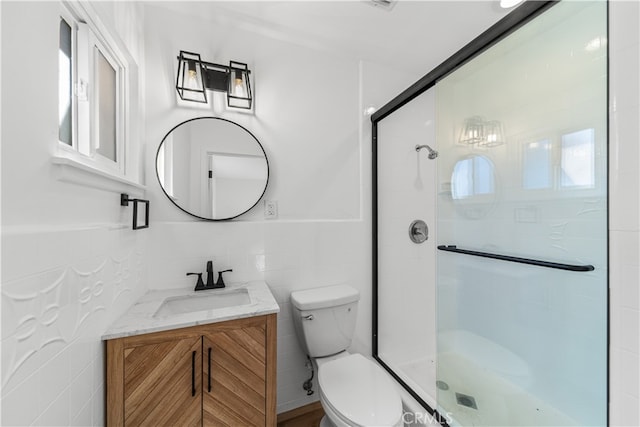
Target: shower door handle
{"type": "Point", "coordinates": [537, 262]}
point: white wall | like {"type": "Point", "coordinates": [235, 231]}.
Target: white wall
{"type": "Point", "coordinates": [309, 117]}
{"type": "Point", "coordinates": [624, 212]}
{"type": "Point", "coordinates": [305, 115]}
{"type": "Point", "coordinates": [70, 262]}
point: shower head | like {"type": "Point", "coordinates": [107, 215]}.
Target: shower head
{"type": "Point", "coordinates": [432, 153]}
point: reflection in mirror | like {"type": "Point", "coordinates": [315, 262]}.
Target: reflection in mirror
{"type": "Point", "coordinates": [212, 168]}
{"type": "Point", "coordinates": [578, 159]}
{"type": "Point", "coordinates": [472, 176]}
{"type": "Point", "coordinates": [572, 154]}
{"type": "Point", "coordinates": [233, 178]}
{"type": "Point", "coordinates": [536, 168]}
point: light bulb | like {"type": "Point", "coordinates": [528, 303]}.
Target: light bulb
{"type": "Point", "coordinates": [192, 75]}
{"type": "Point", "coordinates": [238, 89]}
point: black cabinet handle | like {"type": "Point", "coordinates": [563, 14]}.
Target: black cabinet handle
{"type": "Point", "coordinates": [193, 373]}
{"type": "Point", "coordinates": [209, 374]}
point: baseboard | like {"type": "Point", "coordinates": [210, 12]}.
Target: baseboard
{"type": "Point", "coordinates": [300, 412]}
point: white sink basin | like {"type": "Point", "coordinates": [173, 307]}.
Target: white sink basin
{"type": "Point", "coordinates": [211, 300]}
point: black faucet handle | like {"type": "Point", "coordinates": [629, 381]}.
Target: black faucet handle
{"type": "Point", "coordinates": [220, 281]}
{"type": "Point", "coordinates": [199, 284]}
{"type": "Point", "coordinates": [209, 266]}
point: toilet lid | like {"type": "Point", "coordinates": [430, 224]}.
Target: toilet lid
{"type": "Point", "coordinates": [360, 391]}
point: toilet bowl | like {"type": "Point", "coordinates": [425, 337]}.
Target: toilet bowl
{"type": "Point", "coordinates": [354, 391]}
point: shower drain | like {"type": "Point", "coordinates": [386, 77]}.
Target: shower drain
{"type": "Point", "coordinates": [466, 400]}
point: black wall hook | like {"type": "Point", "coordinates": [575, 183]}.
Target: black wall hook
{"type": "Point", "coordinates": [124, 201]}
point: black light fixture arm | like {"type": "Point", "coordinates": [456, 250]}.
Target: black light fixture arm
{"type": "Point", "coordinates": [213, 66]}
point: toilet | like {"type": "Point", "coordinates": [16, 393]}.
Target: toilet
{"type": "Point", "coordinates": [354, 391]}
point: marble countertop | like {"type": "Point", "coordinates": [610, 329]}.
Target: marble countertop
{"type": "Point", "coordinates": [140, 319]}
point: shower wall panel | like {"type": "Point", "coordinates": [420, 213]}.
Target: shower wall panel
{"type": "Point", "coordinates": [406, 270]}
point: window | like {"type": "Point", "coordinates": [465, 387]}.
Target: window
{"type": "Point", "coordinates": [106, 117]}
{"type": "Point", "coordinates": [565, 162]}
{"type": "Point", "coordinates": [65, 84]}
{"type": "Point", "coordinates": [578, 159]}
{"type": "Point", "coordinates": [536, 173]}
{"type": "Point", "coordinates": [92, 86]}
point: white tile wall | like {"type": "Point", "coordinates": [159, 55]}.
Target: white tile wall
{"type": "Point", "coordinates": [624, 205]}
{"type": "Point", "coordinates": [61, 288]}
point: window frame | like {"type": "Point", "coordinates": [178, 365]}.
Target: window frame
{"type": "Point", "coordinates": [90, 36]}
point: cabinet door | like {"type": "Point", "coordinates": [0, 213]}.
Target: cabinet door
{"type": "Point", "coordinates": [234, 383]}
{"type": "Point", "coordinates": [162, 383]}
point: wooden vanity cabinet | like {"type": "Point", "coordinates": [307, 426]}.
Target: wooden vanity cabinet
{"type": "Point", "coordinates": [221, 374]}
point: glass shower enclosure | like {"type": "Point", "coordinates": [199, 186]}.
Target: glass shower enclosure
{"type": "Point", "coordinates": [499, 318]}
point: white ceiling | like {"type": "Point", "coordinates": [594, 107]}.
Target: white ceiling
{"type": "Point", "coordinates": [416, 36]}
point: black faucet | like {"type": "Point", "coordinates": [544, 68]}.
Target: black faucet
{"type": "Point", "coordinates": [210, 284]}
{"type": "Point", "coordinates": [201, 286]}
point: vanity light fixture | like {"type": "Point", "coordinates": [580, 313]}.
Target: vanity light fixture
{"type": "Point", "coordinates": [477, 130]}
{"type": "Point", "coordinates": [494, 134]}
{"type": "Point", "coordinates": [190, 84]}
{"type": "Point", "coordinates": [196, 76]}
{"type": "Point", "coordinates": [472, 130]}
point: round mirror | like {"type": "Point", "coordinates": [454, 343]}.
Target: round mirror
{"type": "Point", "coordinates": [212, 168]}
{"type": "Point", "coordinates": [473, 186]}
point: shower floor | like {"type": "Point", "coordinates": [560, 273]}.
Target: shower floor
{"type": "Point", "coordinates": [495, 401]}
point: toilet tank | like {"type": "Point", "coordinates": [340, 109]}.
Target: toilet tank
{"type": "Point", "coordinates": [325, 318]}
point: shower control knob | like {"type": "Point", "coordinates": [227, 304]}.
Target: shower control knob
{"type": "Point", "coordinates": [418, 231]}
{"type": "Point", "coordinates": [309, 317]}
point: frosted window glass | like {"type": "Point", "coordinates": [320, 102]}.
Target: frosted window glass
{"type": "Point", "coordinates": [578, 159]}
{"type": "Point", "coordinates": [461, 183]}
{"type": "Point", "coordinates": [107, 80]}
{"type": "Point", "coordinates": [482, 176]}
{"type": "Point", "coordinates": [536, 170]}
{"type": "Point", "coordinates": [65, 122]}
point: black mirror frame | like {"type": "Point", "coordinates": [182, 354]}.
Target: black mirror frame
{"type": "Point", "coordinates": [266, 159]}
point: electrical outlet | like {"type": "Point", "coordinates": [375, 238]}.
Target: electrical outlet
{"type": "Point", "coordinates": [270, 209]}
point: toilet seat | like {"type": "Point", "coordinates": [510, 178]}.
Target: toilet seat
{"type": "Point", "coordinates": [359, 392]}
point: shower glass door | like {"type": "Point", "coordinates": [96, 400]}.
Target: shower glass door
{"type": "Point", "coordinates": [406, 338]}
{"type": "Point", "coordinates": [522, 136]}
